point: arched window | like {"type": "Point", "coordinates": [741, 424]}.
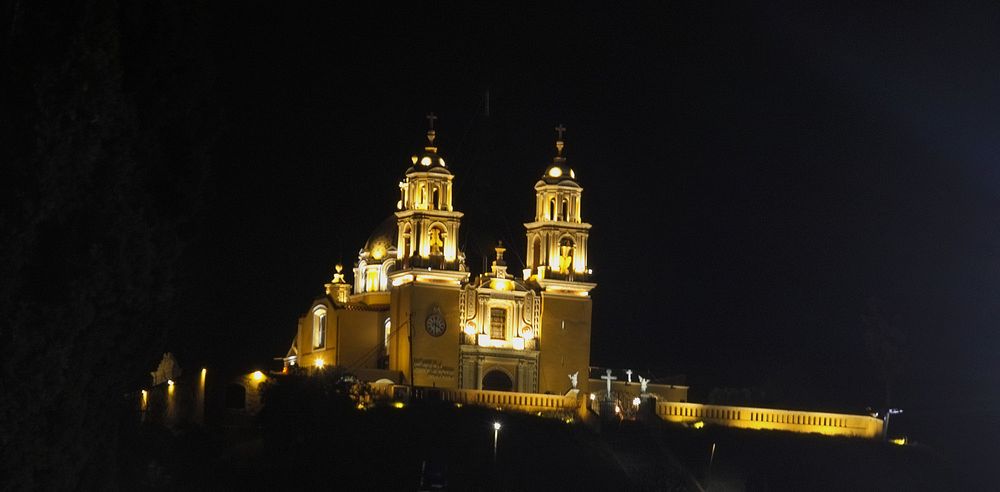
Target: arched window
{"type": "Point", "coordinates": [319, 328]}
{"type": "Point", "coordinates": [388, 333]}
{"type": "Point", "coordinates": [536, 253]}
{"type": "Point", "coordinates": [407, 240]}
{"type": "Point", "coordinates": [552, 209]}
{"type": "Point", "coordinates": [435, 199]}
{"type": "Point", "coordinates": [565, 210]}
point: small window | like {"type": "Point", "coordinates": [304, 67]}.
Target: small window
{"type": "Point", "coordinates": [498, 323]}
{"type": "Point", "coordinates": [319, 328]}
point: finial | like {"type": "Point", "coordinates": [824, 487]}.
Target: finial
{"type": "Point", "coordinates": [430, 131]}
{"type": "Point", "coordinates": [500, 251]}
{"type": "Point", "coordinates": [339, 268]}
{"type": "Point", "coordinates": [559, 141]}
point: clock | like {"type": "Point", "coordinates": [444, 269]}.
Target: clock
{"type": "Point", "coordinates": [435, 323]}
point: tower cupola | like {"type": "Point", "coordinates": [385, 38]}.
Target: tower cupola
{"type": "Point", "coordinates": [427, 223]}
{"type": "Point", "coordinates": [557, 238]}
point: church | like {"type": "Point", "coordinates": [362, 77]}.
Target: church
{"type": "Point", "coordinates": [414, 314]}
{"type": "Point", "coordinates": [415, 323]}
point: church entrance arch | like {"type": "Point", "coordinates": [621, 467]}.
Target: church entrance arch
{"type": "Point", "coordinates": [497, 380]}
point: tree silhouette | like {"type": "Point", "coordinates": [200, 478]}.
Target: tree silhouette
{"type": "Point", "coordinates": [102, 163]}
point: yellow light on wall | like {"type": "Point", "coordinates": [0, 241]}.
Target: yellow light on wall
{"type": "Point", "coordinates": [257, 376]}
{"type": "Point", "coordinates": [398, 404]}
{"type": "Point", "coordinates": [555, 172]}
{"type": "Point", "coordinates": [378, 252]}
{"type": "Point", "coordinates": [170, 382]}
{"type": "Point", "coordinates": [426, 161]}
{"type": "Point", "coordinates": [319, 362]}
{"type": "Point", "coordinates": [470, 328]}
{"type": "Point", "coordinates": [699, 424]}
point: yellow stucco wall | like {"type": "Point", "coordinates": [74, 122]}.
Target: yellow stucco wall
{"type": "Point", "coordinates": [435, 362]}
{"type": "Point", "coordinates": [564, 351]}
{"type": "Point", "coordinates": [359, 339]}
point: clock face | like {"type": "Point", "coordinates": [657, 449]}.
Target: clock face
{"type": "Point", "coordinates": [435, 323]}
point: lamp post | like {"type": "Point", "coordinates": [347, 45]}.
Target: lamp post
{"type": "Point", "coordinates": [889, 413]}
{"type": "Point", "coordinates": [496, 435]}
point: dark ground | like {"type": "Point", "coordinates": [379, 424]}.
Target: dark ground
{"type": "Point", "coordinates": [383, 449]}
{"type": "Point", "coordinates": [311, 436]}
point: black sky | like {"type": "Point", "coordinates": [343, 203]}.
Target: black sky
{"type": "Point", "coordinates": [754, 175]}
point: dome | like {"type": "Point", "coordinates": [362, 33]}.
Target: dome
{"type": "Point", "coordinates": [382, 239]}
{"type": "Point", "coordinates": [428, 161]}
{"type": "Point", "coordinates": [558, 173]}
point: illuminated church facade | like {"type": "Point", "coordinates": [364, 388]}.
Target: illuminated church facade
{"type": "Point", "coordinates": [415, 315]}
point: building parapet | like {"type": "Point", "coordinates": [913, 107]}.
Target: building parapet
{"type": "Point", "coordinates": [830, 424]}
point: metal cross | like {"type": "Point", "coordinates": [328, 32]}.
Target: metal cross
{"type": "Point", "coordinates": [560, 129]}
{"type": "Point", "coordinates": [609, 378]}
{"type": "Point", "coordinates": [430, 119]}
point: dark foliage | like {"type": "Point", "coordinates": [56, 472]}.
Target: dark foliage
{"type": "Point", "coordinates": [103, 156]}
{"type": "Point", "coordinates": [315, 437]}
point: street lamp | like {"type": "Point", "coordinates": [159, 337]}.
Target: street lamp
{"type": "Point", "coordinates": [889, 413]}
{"type": "Point", "coordinates": [496, 435]}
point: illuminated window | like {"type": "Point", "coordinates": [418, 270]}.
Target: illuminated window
{"type": "Point", "coordinates": [319, 328]}
{"type": "Point", "coordinates": [388, 332]}
{"type": "Point", "coordinates": [498, 323]}
{"type": "Point", "coordinates": [371, 280]}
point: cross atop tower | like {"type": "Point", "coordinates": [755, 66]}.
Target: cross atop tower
{"type": "Point", "coordinates": [430, 131]}
{"type": "Point", "coordinates": [559, 141]}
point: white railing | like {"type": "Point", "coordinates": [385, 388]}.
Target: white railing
{"type": "Point", "coordinates": [834, 424]}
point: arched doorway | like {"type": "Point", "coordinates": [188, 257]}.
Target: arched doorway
{"type": "Point", "coordinates": [497, 380]}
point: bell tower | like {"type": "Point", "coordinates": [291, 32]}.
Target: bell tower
{"type": "Point", "coordinates": [428, 223]}
{"type": "Point", "coordinates": [557, 238]}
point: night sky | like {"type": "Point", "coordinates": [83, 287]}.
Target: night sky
{"type": "Point", "coordinates": [755, 177]}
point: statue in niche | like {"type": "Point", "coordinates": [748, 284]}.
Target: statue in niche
{"type": "Point", "coordinates": [436, 241]}
{"type": "Point", "coordinates": [167, 370]}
